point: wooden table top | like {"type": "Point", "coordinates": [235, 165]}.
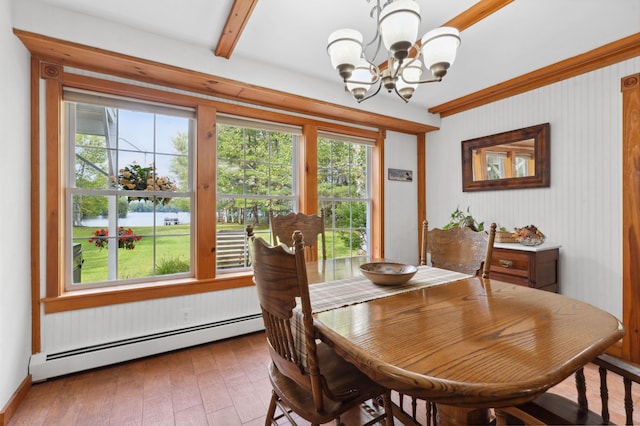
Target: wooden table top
{"type": "Point", "coordinates": [470, 343]}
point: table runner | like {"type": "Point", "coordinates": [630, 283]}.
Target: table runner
{"type": "Point", "coordinates": [349, 291]}
{"type": "Point", "coordinates": [336, 294]}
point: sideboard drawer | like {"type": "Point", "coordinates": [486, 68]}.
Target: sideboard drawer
{"type": "Point", "coordinates": [510, 262]}
{"type": "Point", "coordinates": [536, 268]}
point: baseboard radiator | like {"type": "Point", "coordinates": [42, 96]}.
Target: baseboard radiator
{"type": "Point", "coordinates": [44, 366]}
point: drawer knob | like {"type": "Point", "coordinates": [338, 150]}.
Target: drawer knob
{"type": "Point", "coordinates": [505, 263]}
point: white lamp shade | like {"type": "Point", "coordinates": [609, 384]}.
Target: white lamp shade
{"type": "Point", "coordinates": [361, 76]}
{"type": "Point", "coordinates": [411, 73]}
{"type": "Point", "coordinates": [399, 22]}
{"type": "Point", "coordinates": [344, 47]}
{"type": "Point", "coordinates": [440, 46]}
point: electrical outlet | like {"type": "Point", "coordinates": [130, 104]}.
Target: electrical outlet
{"type": "Point", "coordinates": [186, 314]}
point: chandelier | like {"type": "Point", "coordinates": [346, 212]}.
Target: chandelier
{"type": "Point", "coordinates": [397, 28]}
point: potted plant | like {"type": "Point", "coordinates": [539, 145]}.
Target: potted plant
{"type": "Point", "coordinates": [461, 219]}
{"type": "Point", "coordinates": [504, 236]}
{"type": "Point", "coordinates": [134, 177]}
{"type": "Point", "coordinates": [126, 238]}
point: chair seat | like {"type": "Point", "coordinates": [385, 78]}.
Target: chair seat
{"type": "Point", "coordinates": [343, 379]}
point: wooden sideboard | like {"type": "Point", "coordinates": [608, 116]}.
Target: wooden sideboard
{"type": "Point", "coordinates": [535, 267]}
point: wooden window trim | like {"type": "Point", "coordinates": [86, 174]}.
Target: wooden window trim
{"type": "Point", "coordinates": [205, 280]}
{"type": "Point", "coordinates": [116, 64]}
{"type": "Point", "coordinates": [630, 88]}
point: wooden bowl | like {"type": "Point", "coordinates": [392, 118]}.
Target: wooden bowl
{"type": "Point", "coordinates": [388, 273]}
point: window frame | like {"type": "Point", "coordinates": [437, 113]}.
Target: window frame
{"type": "Point", "coordinates": [69, 146]}
{"type": "Point", "coordinates": [259, 125]}
{"type": "Point", "coordinates": [205, 279]}
{"type": "Point", "coordinates": [333, 199]}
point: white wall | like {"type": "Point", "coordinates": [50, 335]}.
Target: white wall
{"type": "Point", "coordinates": [15, 279]}
{"type": "Point", "coordinates": [582, 210]}
{"type": "Point", "coordinates": [401, 200]}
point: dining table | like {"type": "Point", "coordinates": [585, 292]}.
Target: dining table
{"type": "Point", "coordinates": [465, 343]}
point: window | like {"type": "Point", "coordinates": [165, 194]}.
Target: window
{"type": "Point", "coordinates": [129, 190]}
{"type": "Point", "coordinates": [255, 173]}
{"type": "Point", "coordinates": [344, 194]}
{"type": "Point", "coordinates": [94, 256]}
{"type": "Point", "coordinates": [522, 165]}
{"type": "Point", "coordinates": [495, 165]}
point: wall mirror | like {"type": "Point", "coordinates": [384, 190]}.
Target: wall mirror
{"type": "Point", "coordinates": [510, 160]}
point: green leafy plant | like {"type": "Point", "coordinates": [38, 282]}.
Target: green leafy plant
{"type": "Point", "coordinates": [172, 265]}
{"type": "Point", "coordinates": [460, 219]}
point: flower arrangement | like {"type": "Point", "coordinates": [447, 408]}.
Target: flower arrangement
{"type": "Point", "coordinates": [134, 177]}
{"type": "Point", "coordinates": [126, 238]}
{"type": "Point", "coordinates": [529, 235]}
{"type": "Point", "coordinates": [100, 238]}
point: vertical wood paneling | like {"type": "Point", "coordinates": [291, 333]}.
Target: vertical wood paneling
{"type": "Point", "coordinates": [80, 328]}
{"type": "Point", "coordinates": [401, 200]}
{"type": "Point", "coordinates": [582, 210]}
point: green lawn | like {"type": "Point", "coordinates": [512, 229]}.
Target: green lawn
{"type": "Point", "coordinates": [171, 250]}
{"type": "Point", "coordinates": [134, 263]}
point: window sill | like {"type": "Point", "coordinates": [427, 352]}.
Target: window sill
{"type": "Point", "coordinates": [92, 298]}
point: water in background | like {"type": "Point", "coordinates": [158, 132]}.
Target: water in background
{"type": "Point", "coordinates": [139, 219]}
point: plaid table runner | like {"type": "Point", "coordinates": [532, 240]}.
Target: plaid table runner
{"type": "Point", "coordinates": [336, 294]}
{"type": "Point", "coordinates": [349, 291]}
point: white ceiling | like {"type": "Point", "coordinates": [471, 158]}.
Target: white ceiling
{"type": "Point", "coordinates": [523, 36]}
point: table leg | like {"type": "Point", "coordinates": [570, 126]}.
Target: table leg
{"type": "Point", "coordinates": [455, 416]}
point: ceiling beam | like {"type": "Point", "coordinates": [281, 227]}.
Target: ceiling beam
{"type": "Point", "coordinates": [476, 13]}
{"type": "Point", "coordinates": [609, 54]}
{"type": "Point", "coordinates": [236, 21]}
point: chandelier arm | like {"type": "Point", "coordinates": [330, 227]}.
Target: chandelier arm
{"type": "Point", "coordinates": [373, 93]}
{"type": "Point", "coordinates": [375, 76]}
{"type": "Point", "coordinates": [412, 59]}
{"type": "Point", "coordinates": [394, 71]}
{"type": "Point", "coordinates": [375, 14]}
{"type": "Point", "coordinates": [433, 80]}
{"type": "Point", "coordinates": [372, 82]}
{"type": "Point", "coordinates": [377, 38]}
{"type": "Point", "coordinates": [395, 89]}
{"type": "Point", "coordinates": [376, 72]}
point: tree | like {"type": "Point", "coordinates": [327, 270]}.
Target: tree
{"type": "Point", "coordinates": [342, 174]}
{"type": "Point", "coordinates": [90, 172]}
{"type": "Point", "coordinates": [180, 168]}
{"type": "Point", "coordinates": [180, 162]}
{"type": "Point", "coordinates": [252, 162]}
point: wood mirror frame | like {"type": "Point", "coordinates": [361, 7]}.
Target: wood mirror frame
{"type": "Point", "coordinates": [540, 134]}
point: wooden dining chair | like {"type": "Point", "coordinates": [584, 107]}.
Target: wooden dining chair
{"type": "Point", "coordinates": [458, 249]}
{"type": "Point", "coordinates": [325, 386]}
{"type": "Point", "coordinates": [311, 226]}
{"type": "Point", "coordinates": [553, 409]}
